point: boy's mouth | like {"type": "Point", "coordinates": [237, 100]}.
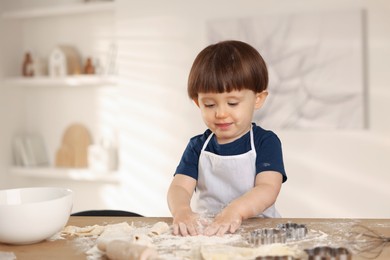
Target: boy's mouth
{"type": "Point", "coordinates": [223, 126]}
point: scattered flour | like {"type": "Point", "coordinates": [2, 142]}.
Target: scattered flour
{"type": "Point", "coordinates": [223, 252]}
{"type": "Point", "coordinates": [7, 256]}
{"type": "Point", "coordinates": [227, 247]}
{"type": "Point", "coordinates": [178, 247]}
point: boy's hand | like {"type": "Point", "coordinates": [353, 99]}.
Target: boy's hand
{"type": "Point", "coordinates": [250, 204]}
{"type": "Point", "coordinates": [186, 223]}
{"type": "Point", "coordinates": [229, 220]}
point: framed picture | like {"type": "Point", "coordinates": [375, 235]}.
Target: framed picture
{"type": "Point", "coordinates": [316, 64]}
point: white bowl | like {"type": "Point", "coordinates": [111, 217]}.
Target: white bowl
{"type": "Point", "coordinates": [30, 215]}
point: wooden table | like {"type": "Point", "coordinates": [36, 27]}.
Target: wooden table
{"type": "Point", "coordinates": [333, 230]}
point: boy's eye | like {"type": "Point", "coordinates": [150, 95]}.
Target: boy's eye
{"type": "Point", "coordinates": [209, 105]}
{"type": "Point", "coordinates": [233, 104]}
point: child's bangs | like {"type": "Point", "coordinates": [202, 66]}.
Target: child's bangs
{"type": "Point", "coordinates": [220, 80]}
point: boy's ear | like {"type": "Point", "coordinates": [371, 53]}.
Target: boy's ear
{"type": "Point", "coordinates": [260, 99]}
{"type": "Point", "coordinates": [196, 101]}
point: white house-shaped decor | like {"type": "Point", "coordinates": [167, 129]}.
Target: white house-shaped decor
{"type": "Point", "coordinates": [63, 61]}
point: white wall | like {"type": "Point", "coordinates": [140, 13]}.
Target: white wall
{"type": "Point", "coordinates": [158, 43]}
{"type": "Point", "coordinates": [335, 174]}
{"type": "Point", "coordinates": [153, 118]}
{"type": "Point", "coordinates": [378, 64]}
{"type": "Point", "coordinates": [11, 115]}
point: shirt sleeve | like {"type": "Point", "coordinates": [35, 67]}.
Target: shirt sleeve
{"type": "Point", "coordinates": [189, 161]}
{"type": "Point", "coordinates": [269, 154]}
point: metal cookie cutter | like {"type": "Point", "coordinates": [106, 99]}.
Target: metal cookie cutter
{"type": "Point", "coordinates": [266, 236]}
{"type": "Point", "coordinates": [294, 231]}
{"type": "Point", "coordinates": [328, 253]}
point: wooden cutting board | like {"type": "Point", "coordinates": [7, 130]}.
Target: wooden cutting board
{"type": "Point", "coordinates": [73, 151]}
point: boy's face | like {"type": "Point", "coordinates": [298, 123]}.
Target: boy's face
{"type": "Point", "coordinates": [229, 115]}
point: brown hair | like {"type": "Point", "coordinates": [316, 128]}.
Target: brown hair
{"type": "Point", "coordinates": [227, 66]}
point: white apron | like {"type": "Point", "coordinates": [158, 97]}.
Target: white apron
{"type": "Point", "coordinates": [222, 179]}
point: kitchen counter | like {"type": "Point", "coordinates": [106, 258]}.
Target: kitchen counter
{"type": "Point", "coordinates": [321, 232]}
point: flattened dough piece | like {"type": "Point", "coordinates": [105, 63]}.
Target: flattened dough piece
{"type": "Point", "coordinates": [159, 228]}
{"type": "Point", "coordinates": [226, 252]}
{"type": "Point", "coordinates": [120, 231]}
{"type": "Point", "coordinates": [124, 250]}
{"type": "Point", "coordinates": [94, 230]}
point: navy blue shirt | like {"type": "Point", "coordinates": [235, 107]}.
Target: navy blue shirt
{"type": "Point", "coordinates": [268, 149]}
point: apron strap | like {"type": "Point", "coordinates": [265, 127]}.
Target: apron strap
{"type": "Point", "coordinates": [252, 140]}
{"type": "Point", "coordinates": [211, 135]}
{"type": "Point", "coordinates": [207, 141]}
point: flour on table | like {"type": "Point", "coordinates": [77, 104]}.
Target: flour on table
{"type": "Point", "coordinates": [226, 252]}
{"type": "Point", "coordinates": [177, 247]}
{"type": "Point", "coordinates": [7, 256]}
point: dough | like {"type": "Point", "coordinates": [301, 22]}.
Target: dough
{"type": "Point", "coordinates": [124, 250]}
{"type": "Point", "coordinates": [94, 230]}
{"type": "Point", "coordinates": [158, 229]}
{"type": "Point", "coordinates": [222, 252]}
{"type": "Point", "coordinates": [120, 231]}
{"type": "Point", "coordinates": [225, 252]}
{"type": "Point", "coordinates": [119, 241]}
{"type": "Point", "coordinates": [141, 239]}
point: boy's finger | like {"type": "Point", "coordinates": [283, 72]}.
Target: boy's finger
{"type": "Point", "coordinates": [223, 229]}
{"type": "Point", "coordinates": [175, 229]}
{"type": "Point", "coordinates": [183, 229]}
{"type": "Point", "coordinates": [191, 229]}
{"type": "Point", "coordinates": [211, 230]}
{"type": "Point", "coordinates": [234, 226]}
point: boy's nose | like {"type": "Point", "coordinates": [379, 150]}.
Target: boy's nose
{"type": "Point", "coordinates": [221, 112]}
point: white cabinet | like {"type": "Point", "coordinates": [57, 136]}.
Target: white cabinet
{"type": "Point", "coordinates": [51, 104]}
{"type": "Point", "coordinates": [69, 81]}
{"type": "Point", "coordinates": [88, 27]}
{"type": "Point", "coordinates": [65, 174]}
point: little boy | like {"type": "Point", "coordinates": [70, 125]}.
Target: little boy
{"type": "Point", "coordinates": [235, 167]}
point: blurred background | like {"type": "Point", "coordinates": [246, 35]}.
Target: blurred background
{"type": "Point", "coordinates": [93, 97]}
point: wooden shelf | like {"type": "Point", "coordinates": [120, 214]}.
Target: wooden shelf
{"type": "Point", "coordinates": [70, 81]}
{"type": "Point", "coordinates": [77, 8]}
{"type": "Point", "coordinates": [65, 174]}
